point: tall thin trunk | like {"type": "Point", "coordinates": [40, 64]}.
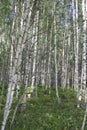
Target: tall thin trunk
{"type": "Point", "coordinates": [27, 70]}
{"type": "Point", "coordinates": [35, 38]}
{"type": "Point", "coordinates": [76, 43]}
{"type": "Point", "coordinates": [83, 76]}
{"type": "Point", "coordinates": [84, 46]}
{"type": "Point", "coordinates": [65, 51]}
{"type": "Point", "coordinates": [68, 63]}
{"type": "Point", "coordinates": [63, 63]}
{"type": "Point", "coordinates": [49, 62]}
{"type": "Point", "coordinates": [44, 61]}
{"type": "Point", "coordinates": [55, 51]}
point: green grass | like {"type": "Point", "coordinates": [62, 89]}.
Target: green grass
{"type": "Point", "coordinates": [44, 113]}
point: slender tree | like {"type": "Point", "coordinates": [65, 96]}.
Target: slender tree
{"type": "Point", "coordinates": [76, 44]}
{"type": "Point", "coordinates": [83, 76]}
{"type": "Point", "coordinates": [55, 48]}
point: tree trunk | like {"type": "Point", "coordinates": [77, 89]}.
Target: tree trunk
{"type": "Point", "coordinates": [83, 77]}
{"type": "Point", "coordinates": [55, 49]}
{"type": "Point", "coordinates": [76, 43]}
{"type": "Point", "coordinates": [34, 40]}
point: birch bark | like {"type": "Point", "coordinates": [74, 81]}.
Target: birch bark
{"type": "Point", "coordinates": [35, 38]}
{"type": "Point", "coordinates": [83, 76]}
{"type": "Point", "coordinates": [55, 49]}
{"type": "Point", "coordinates": [76, 45]}
{"type": "Point", "coordinates": [76, 42]}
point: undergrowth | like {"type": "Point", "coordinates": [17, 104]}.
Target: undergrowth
{"type": "Point", "coordinates": [44, 113]}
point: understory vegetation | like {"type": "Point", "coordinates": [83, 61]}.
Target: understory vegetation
{"type": "Point", "coordinates": [45, 113]}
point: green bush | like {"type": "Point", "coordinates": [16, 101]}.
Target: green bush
{"type": "Point", "coordinates": [44, 112]}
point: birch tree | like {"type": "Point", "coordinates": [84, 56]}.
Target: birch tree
{"type": "Point", "coordinates": [35, 41]}
{"type": "Point", "coordinates": [76, 45]}
{"type": "Point", "coordinates": [83, 77]}
{"type": "Point", "coordinates": [55, 48]}
{"type": "Point", "coordinates": [16, 63]}
{"type": "Point", "coordinates": [11, 86]}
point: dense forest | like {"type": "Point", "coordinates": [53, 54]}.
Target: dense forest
{"type": "Point", "coordinates": [43, 53]}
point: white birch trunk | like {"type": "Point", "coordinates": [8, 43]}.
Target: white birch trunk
{"type": "Point", "coordinates": [68, 59]}
{"type": "Point", "coordinates": [83, 76]}
{"type": "Point", "coordinates": [55, 51]}
{"type": "Point", "coordinates": [27, 70]}
{"type": "Point", "coordinates": [63, 64]}
{"type": "Point", "coordinates": [65, 52]}
{"type": "Point", "coordinates": [76, 42]}
{"type": "Point", "coordinates": [83, 80]}
{"type": "Point", "coordinates": [44, 61]}
{"type": "Point", "coordinates": [35, 38]}
{"type": "Point", "coordinates": [76, 45]}
{"type": "Point", "coordinates": [49, 64]}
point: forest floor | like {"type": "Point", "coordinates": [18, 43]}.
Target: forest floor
{"type": "Point", "coordinates": [45, 113]}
